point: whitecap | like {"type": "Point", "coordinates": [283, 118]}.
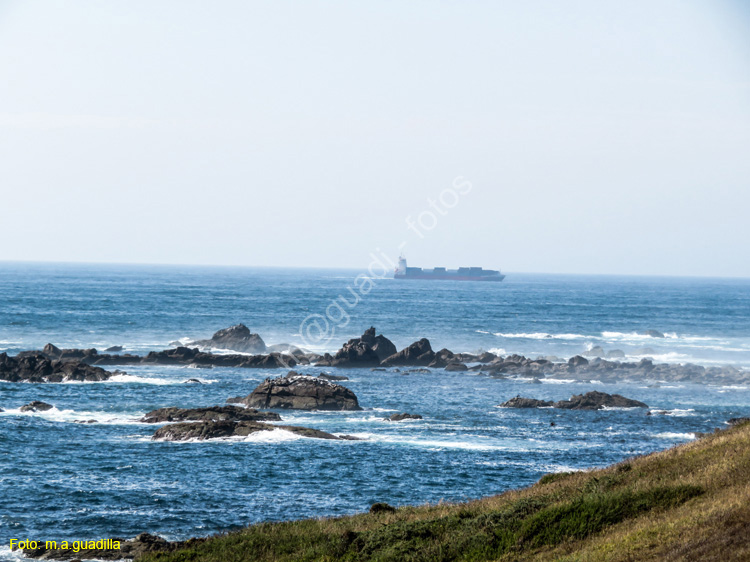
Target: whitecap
{"type": "Point", "coordinates": [672, 435]}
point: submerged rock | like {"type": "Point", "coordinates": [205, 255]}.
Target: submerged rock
{"type": "Point", "coordinates": [36, 406]}
{"type": "Point", "coordinates": [237, 338]}
{"type": "Point", "coordinates": [327, 377]}
{"type": "Point", "coordinates": [301, 393]}
{"type": "Point", "coordinates": [404, 416]}
{"type": "Point", "coordinates": [215, 413]}
{"type": "Point", "coordinates": [114, 349]}
{"type": "Point", "coordinates": [222, 429]}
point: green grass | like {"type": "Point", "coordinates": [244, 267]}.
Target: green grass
{"type": "Point", "coordinates": [687, 503]}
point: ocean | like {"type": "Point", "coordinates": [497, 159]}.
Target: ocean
{"type": "Point", "coordinates": [65, 480]}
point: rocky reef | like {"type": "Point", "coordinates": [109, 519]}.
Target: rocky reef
{"type": "Point", "coordinates": [594, 400]}
{"type": "Point", "coordinates": [371, 350]}
{"type": "Point", "coordinates": [215, 413]}
{"type": "Point", "coordinates": [203, 430]}
{"type": "Point", "coordinates": [37, 367]}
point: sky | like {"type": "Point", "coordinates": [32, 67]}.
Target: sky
{"type": "Point", "coordinates": [541, 136]}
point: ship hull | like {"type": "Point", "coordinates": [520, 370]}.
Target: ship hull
{"type": "Point", "coordinates": [438, 277]}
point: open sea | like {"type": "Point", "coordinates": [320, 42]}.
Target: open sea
{"type": "Point", "coordinates": [62, 480]}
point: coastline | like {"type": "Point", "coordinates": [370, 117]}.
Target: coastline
{"type": "Point", "coordinates": [687, 502]}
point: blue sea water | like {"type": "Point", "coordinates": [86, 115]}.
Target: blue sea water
{"type": "Point", "coordinates": [63, 480]}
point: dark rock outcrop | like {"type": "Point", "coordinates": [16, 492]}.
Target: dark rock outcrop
{"type": "Point", "coordinates": [381, 507]}
{"type": "Point", "coordinates": [129, 549]}
{"type": "Point", "coordinates": [197, 358]}
{"type": "Point", "coordinates": [590, 401]}
{"type": "Point", "coordinates": [36, 406]}
{"type": "Point", "coordinates": [215, 413]}
{"type": "Point", "coordinates": [237, 338]}
{"type": "Point", "coordinates": [37, 367]}
{"type": "Point", "coordinates": [368, 350]}
{"type": "Point", "coordinates": [404, 416]}
{"type": "Point", "coordinates": [596, 400]}
{"type": "Point", "coordinates": [114, 349]}
{"type": "Point", "coordinates": [418, 354]}
{"type": "Point", "coordinates": [577, 361]}
{"type": "Point", "coordinates": [222, 429]}
{"type": "Point", "coordinates": [456, 367]}
{"type": "Point", "coordinates": [301, 393]}
{"type": "Point", "coordinates": [327, 377]}
{"type": "Point", "coordinates": [520, 402]}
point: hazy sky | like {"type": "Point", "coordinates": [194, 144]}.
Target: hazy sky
{"type": "Point", "coordinates": [598, 137]}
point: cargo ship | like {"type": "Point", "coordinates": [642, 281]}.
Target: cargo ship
{"type": "Point", "coordinates": [460, 274]}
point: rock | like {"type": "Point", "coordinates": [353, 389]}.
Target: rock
{"type": "Point", "coordinates": [486, 357]}
{"type": "Point", "coordinates": [456, 367]}
{"type": "Point", "coordinates": [644, 351]}
{"type": "Point", "coordinates": [237, 338]}
{"type": "Point", "coordinates": [596, 400]}
{"type": "Point", "coordinates": [381, 345]}
{"type": "Point", "coordinates": [327, 377]}
{"type": "Point", "coordinates": [615, 354]}
{"type": "Point", "coordinates": [287, 348]}
{"type": "Point", "coordinates": [417, 354]}
{"type": "Point", "coordinates": [519, 402]}
{"type": "Point", "coordinates": [738, 421]}
{"type": "Point", "coordinates": [577, 361]}
{"type": "Point", "coordinates": [381, 507]}
{"type": "Point", "coordinates": [37, 367]}
{"type": "Point", "coordinates": [199, 366]}
{"type": "Point", "coordinates": [215, 413]}
{"type": "Point", "coordinates": [104, 549]}
{"type": "Point", "coordinates": [366, 351]}
{"type": "Point", "coordinates": [192, 381]}
{"type": "Point", "coordinates": [301, 393]}
{"type": "Point", "coordinates": [404, 416]}
{"type": "Point", "coordinates": [114, 348]}
{"type": "Point", "coordinates": [596, 351]}
{"type": "Point", "coordinates": [590, 401]}
{"type": "Point", "coordinates": [653, 333]}
{"type": "Point", "coordinates": [198, 359]}
{"type": "Point", "coordinates": [36, 406]}
{"type": "Point", "coordinates": [222, 429]}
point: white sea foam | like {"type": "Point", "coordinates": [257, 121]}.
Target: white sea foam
{"type": "Point", "coordinates": [670, 435]}
{"type": "Point", "coordinates": [129, 379]}
{"type": "Point", "coordinates": [72, 416]}
{"type": "Point", "coordinates": [541, 336]}
{"type": "Point", "coordinates": [276, 435]}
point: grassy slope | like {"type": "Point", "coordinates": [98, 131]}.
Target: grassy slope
{"type": "Point", "coordinates": [691, 502]}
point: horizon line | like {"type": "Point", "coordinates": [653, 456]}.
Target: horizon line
{"type": "Point", "coordinates": [350, 268]}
